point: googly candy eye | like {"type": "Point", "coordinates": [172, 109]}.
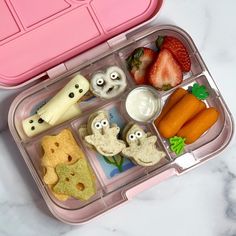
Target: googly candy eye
{"type": "Point", "coordinates": [138, 134]}
{"type": "Point", "coordinates": [114, 75]}
{"type": "Point", "coordinates": [132, 137]}
{"type": "Point", "coordinates": [98, 125]}
{"type": "Point", "coordinates": [100, 82]}
{"type": "Point", "coordinates": [104, 123]}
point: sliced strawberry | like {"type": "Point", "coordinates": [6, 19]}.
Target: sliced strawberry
{"type": "Point", "coordinates": [138, 63]}
{"type": "Point", "coordinates": [165, 73]}
{"type": "Point", "coordinates": [177, 48]}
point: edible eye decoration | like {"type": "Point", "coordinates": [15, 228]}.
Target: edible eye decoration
{"type": "Point", "coordinates": [114, 75]}
{"type": "Point", "coordinates": [98, 125]}
{"type": "Point", "coordinates": [104, 123]}
{"type": "Point", "coordinates": [138, 134]}
{"type": "Point", "coordinates": [76, 86]}
{"type": "Point", "coordinates": [100, 82]}
{"type": "Point", "coordinates": [132, 137]}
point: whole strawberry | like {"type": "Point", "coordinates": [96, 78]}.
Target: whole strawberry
{"type": "Point", "coordinates": [139, 62]}
{"type": "Point", "coordinates": [177, 48]}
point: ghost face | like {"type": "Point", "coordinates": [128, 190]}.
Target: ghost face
{"type": "Point", "coordinates": [135, 135]}
{"type": "Point", "coordinates": [109, 84]}
{"type": "Point", "coordinates": [99, 123]}
{"type": "Point", "coordinates": [76, 88]}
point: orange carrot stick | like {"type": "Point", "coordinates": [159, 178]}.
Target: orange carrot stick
{"type": "Point", "coordinates": [178, 115]}
{"type": "Point", "coordinates": [203, 121]}
{"type": "Point", "coordinates": [171, 101]}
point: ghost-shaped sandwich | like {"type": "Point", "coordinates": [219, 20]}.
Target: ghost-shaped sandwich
{"type": "Point", "coordinates": [108, 84]}
{"type": "Point", "coordinates": [103, 136]}
{"type": "Point", "coordinates": [142, 148]}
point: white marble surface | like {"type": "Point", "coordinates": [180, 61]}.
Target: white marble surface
{"type": "Point", "coordinates": [201, 202]}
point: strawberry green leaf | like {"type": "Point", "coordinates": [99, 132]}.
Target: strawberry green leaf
{"type": "Point", "coordinates": [177, 145]}
{"type": "Point", "coordinates": [138, 53]}
{"type": "Point", "coordinates": [159, 42]}
{"type": "Point", "coordinates": [129, 62]}
{"type": "Point", "coordinates": [134, 58]}
{"type": "Point", "coordinates": [200, 91]}
{"type": "Point", "coordinates": [166, 87]}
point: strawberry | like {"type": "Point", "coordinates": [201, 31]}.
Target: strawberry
{"type": "Point", "coordinates": [138, 63]}
{"type": "Point", "coordinates": [179, 51]}
{"type": "Point", "coordinates": [165, 72]}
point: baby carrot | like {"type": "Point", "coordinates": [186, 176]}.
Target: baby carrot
{"type": "Point", "coordinates": [171, 101]}
{"type": "Point", "coordinates": [178, 115]}
{"type": "Point", "coordinates": [203, 121]}
{"type": "Point", "coordinates": [201, 106]}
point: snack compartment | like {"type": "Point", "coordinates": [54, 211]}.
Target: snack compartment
{"type": "Point", "coordinates": [103, 68]}
{"type": "Point", "coordinates": [115, 171]}
{"type": "Point", "coordinates": [38, 96]}
{"type": "Point", "coordinates": [213, 100]}
{"type": "Point", "coordinates": [35, 152]}
{"type": "Point", "coordinates": [149, 39]}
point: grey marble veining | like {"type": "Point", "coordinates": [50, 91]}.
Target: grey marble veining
{"type": "Point", "coordinates": [199, 203]}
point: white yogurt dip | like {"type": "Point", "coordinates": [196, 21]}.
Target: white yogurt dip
{"type": "Point", "coordinates": [143, 104]}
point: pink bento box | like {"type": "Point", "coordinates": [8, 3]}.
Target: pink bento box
{"type": "Point", "coordinates": [49, 42]}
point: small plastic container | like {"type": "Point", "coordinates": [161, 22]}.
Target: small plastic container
{"type": "Point", "coordinates": [45, 66]}
{"type": "Point", "coordinates": [143, 104]}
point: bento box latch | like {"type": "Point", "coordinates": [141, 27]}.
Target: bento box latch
{"type": "Point", "coordinates": [57, 71]}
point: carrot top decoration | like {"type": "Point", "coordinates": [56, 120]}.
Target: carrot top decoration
{"type": "Point", "coordinates": [177, 145]}
{"type": "Point", "coordinates": [200, 91]}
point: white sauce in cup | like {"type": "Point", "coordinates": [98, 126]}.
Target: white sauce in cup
{"type": "Point", "coordinates": [143, 104]}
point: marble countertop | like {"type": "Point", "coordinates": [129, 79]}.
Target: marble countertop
{"type": "Point", "coordinates": [201, 202]}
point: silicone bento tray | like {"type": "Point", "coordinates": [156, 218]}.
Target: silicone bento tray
{"type": "Point", "coordinates": [114, 187]}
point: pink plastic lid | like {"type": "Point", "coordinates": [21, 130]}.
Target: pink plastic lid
{"type": "Point", "coordinates": [36, 35]}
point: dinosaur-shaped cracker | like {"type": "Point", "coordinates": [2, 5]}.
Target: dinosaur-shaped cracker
{"type": "Point", "coordinates": [142, 149]}
{"type": "Point", "coordinates": [102, 136]}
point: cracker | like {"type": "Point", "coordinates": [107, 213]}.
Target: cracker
{"type": "Point", "coordinates": [60, 197]}
{"type": "Point", "coordinates": [61, 148]}
{"type": "Point", "coordinates": [75, 180]}
{"type": "Point", "coordinates": [53, 110]}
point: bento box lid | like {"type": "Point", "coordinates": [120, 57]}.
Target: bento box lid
{"type": "Point", "coordinates": [36, 35]}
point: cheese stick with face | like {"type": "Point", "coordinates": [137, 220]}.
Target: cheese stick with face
{"type": "Point", "coordinates": [35, 125]}
{"type": "Point", "coordinates": [65, 98]}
